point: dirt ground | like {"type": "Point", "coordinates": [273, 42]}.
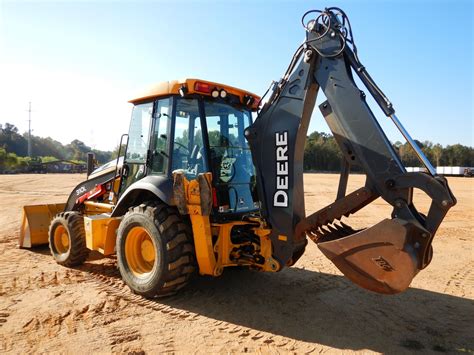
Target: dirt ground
{"type": "Point", "coordinates": [309, 308]}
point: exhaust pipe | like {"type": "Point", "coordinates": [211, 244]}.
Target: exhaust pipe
{"type": "Point", "coordinates": [90, 163]}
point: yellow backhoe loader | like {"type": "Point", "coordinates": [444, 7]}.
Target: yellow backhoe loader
{"type": "Point", "coordinates": [201, 185]}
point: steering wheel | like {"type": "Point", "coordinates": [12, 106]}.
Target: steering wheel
{"type": "Point", "coordinates": [182, 146]}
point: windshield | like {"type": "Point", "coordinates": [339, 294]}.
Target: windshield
{"type": "Point", "coordinates": [230, 157]}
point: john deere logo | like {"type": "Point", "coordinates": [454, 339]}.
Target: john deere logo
{"type": "Point", "coordinates": [227, 169]}
{"type": "Point", "coordinates": [383, 264]}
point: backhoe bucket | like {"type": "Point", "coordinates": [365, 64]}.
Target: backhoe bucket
{"type": "Point", "coordinates": [35, 223]}
{"type": "Point", "coordinates": [379, 258]}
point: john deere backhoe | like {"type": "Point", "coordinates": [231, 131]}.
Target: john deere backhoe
{"type": "Point", "coordinates": [202, 186]}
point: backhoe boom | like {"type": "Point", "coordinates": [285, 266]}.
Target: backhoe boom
{"type": "Point", "coordinates": [385, 257]}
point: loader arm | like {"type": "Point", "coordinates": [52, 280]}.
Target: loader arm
{"type": "Point", "coordinates": [385, 257]}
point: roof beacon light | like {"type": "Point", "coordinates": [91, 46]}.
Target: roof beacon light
{"type": "Point", "coordinates": [215, 93]}
{"type": "Point", "coordinates": [223, 94]}
{"type": "Point", "coordinates": [202, 87]}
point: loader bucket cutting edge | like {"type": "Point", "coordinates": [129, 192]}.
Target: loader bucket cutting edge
{"type": "Point", "coordinates": [379, 258]}
{"type": "Point", "coordinates": [35, 223]}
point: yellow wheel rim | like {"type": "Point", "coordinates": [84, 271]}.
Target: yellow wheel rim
{"type": "Point", "coordinates": [140, 252]}
{"type": "Point", "coordinates": [61, 239]}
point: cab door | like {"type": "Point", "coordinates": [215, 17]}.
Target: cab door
{"type": "Point", "coordinates": [160, 142]}
{"type": "Point", "coordinates": [134, 167]}
{"type": "Point", "coordinates": [188, 153]}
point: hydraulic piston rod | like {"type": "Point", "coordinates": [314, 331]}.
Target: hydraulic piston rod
{"type": "Point", "coordinates": [413, 144]}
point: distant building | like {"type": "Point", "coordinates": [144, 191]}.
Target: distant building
{"type": "Point", "coordinates": [447, 170]}
{"type": "Point", "coordinates": [63, 166]}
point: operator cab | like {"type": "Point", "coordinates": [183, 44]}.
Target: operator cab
{"type": "Point", "coordinates": [195, 126]}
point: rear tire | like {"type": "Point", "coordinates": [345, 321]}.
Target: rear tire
{"type": "Point", "coordinates": [67, 240]}
{"type": "Point", "coordinates": [155, 254]}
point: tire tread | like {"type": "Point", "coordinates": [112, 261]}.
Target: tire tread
{"type": "Point", "coordinates": [74, 223]}
{"type": "Point", "coordinates": [177, 243]}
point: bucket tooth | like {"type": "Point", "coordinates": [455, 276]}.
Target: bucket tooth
{"type": "Point", "coordinates": [347, 227]}
{"type": "Point", "coordinates": [320, 232]}
{"type": "Point", "coordinates": [332, 229]}
{"type": "Point", "coordinates": [341, 230]}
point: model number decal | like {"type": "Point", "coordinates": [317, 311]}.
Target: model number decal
{"type": "Point", "coordinates": [280, 198]}
{"type": "Point", "coordinates": [80, 190]}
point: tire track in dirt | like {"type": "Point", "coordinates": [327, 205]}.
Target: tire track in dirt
{"type": "Point", "coordinates": [107, 280]}
{"type": "Point", "coordinates": [120, 335]}
{"type": "Point", "coordinates": [3, 317]}
{"type": "Point", "coordinates": [115, 287]}
{"type": "Point", "coordinates": [105, 277]}
{"type": "Point", "coordinates": [73, 317]}
{"type": "Point", "coordinates": [462, 281]}
{"type": "Point", "coordinates": [17, 285]}
{"type": "Point", "coordinates": [120, 297]}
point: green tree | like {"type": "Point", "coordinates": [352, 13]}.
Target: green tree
{"type": "Point", "coordinates": [12, 141]}
{"type": "Point", "coordinates": [3, 159]}
{"type": "Point", "coordinates": [115, 152]}
{"type": "Point", "coordinates": [437, 151]}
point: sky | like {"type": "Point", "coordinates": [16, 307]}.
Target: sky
{"type": "Point", "coordinates": [79, 62]}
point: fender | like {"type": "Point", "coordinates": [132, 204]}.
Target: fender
{"type": "Point", "coordinates": [145, 189]}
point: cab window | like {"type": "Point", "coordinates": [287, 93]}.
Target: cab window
{"type": "Point", "coordinates": [139, 133]}
{"type": "Point", "coordinates": [230, 157]}
{"type": "Point", "coordinates": [188, 153]}
{"type": "Point", "coordinates": [161, 132]}
{"type": "Point", "coordinates": [230, 154]}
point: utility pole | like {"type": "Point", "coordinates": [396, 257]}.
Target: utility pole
{"type": "Point", "coordinates": [29, 130]}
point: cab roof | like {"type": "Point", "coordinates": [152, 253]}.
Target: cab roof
{"type": "Point", "coordinates": [196, 86]}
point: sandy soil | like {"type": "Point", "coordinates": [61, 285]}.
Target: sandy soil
{"type": "Point", "coordinates": [309, 308]}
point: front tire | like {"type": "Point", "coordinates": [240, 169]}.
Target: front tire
{"type": "Point", "coordinates": [155, 254]}
{"type": "Point", "coordinates": [67, 240]}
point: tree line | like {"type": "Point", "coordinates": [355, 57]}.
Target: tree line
{"type": "Point", "coordinates": [321, 152]}
{"type": "Point", "coordinates": [14, 150]}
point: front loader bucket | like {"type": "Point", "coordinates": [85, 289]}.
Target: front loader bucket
{"type": "Point", "coordinates": [379, 258]}
{"type": "Point", "coordinates": [35, 223]}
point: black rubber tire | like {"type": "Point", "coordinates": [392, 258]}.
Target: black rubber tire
{"type": "Point", "coordinates": [174, 262]}
{"type": "Point", "coordinates": [77, 253]}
